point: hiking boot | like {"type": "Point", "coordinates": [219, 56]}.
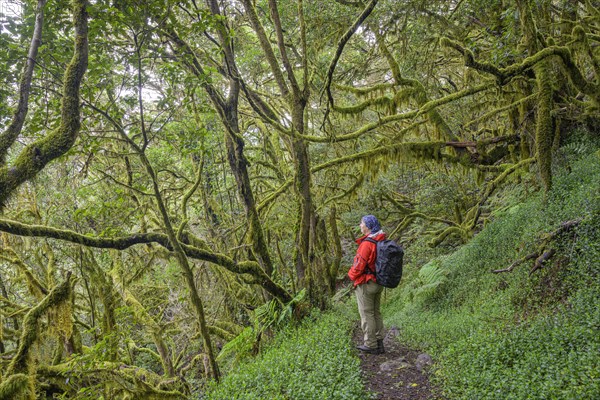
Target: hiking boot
{"type": "Point", "coordinates": [380, 348]}
{"type": "Point", "coordinates": [369, 350]}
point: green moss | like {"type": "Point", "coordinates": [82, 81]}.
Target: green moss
{"type": "Point", "coordinates": [21, 362]}
{"type": "Point", "coordinates": [17, 387]}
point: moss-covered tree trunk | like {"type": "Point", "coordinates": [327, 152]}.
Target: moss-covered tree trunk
{"type": "Point", "coordinates": [543, 123]}
{"type": "Point", "coordinates": [303, 188]}
{"type": "Point", "coordinates": [296, 95]}
{"type": "Point", "coordinates": [227, 109]}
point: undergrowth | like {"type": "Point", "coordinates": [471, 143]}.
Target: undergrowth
{"type": "Point", "coordinates": [315, 360]}
{"type": "Point", "coordinates": [517, 335]}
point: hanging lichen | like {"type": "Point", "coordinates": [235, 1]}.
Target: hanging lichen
{"type": "Point", "coordinates": [61, 321]}
{"type": "Point", "coordinates": [21, 363]}
{"type": "Point", "coordinates": [382, 103]}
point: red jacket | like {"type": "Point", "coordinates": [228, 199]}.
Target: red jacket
{"type": "Point", "coordinates": [365, 256]}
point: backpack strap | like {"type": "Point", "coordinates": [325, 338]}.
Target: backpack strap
{"type": "Point", "coordinates": [368, 270]}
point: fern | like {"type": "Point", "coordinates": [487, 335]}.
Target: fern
{"type": "Point", "coordinates": [575, 148]}
{"type": "Point", "coordinates": [275, 314]}
{"type": "Point", "coordinates": [272, 314]}
{"type": "Point", "coordinates": [579, 144]}
{"type": "Point", "coordinates": [431, 276]}
{"type": "Point", "coordinates": [239, 348]}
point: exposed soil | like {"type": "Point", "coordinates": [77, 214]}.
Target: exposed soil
{"type": "Point", "coordinates": [394, 374]}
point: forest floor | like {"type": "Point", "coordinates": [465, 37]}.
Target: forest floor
{"type": "Point", "coordinates": [399, 373]}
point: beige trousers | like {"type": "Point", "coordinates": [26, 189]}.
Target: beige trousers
{"type": "Point", "coordinates": [368, 297]}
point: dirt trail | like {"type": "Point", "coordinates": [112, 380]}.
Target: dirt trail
{"type": "Point", "coordinates": [396, 374]}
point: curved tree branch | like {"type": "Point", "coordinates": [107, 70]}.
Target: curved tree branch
{"type": "Point", "coordinates": [266, 46]}
{"type": "Point", "coordinates": [35, 156]}
{"type": "Point", "coordinates": [342, 43]}
{"type": "Point", "coordinates": [14, 129]}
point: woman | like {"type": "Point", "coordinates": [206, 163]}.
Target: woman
{"type": "Point", "coordinates": [368, 291]}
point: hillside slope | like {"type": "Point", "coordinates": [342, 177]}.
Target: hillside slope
{"type": "Point", "coordinates": [532, 332]}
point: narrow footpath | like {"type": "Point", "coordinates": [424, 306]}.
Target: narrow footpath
{"type": "Point", "coordinates": [399, 373]}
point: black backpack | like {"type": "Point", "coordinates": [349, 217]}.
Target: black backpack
{"type": "Point", "coordinates": [388, 262]}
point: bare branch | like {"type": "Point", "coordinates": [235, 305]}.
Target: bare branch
{"type": "Point", "coordinates": [342, 43]}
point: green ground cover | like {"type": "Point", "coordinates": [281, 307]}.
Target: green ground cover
{"type": "Point", "coordinates": [515, 335]}
{"type": "Point", "coordinates": [315, 360]}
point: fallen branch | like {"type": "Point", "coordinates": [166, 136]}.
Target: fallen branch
{"type": "Point", "coordinates": [539, 262]}
{"type": "Point", "coordinates": [516, 263]}
{"type": "Point", "coordinates": [542, 254]}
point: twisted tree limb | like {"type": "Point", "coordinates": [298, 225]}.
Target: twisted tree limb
{"type": "Point", "coordinates": [505, 75]}
{"type": "Point", "coordinates": [124, 242]}
{"type": "Point", "coordinates": [342, 43]}
{"type": "Point", "coordinates": [20, 362]}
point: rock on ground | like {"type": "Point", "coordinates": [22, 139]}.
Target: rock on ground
{"type": "Point", "coordinates": [399, 373]}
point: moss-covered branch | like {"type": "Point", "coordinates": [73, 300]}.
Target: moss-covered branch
{"type": "Point", "coordinates": [124, 242]}
{"type": "Point", "coordinates": [424, 150]}
{"type": "Point", "coordinates": [417, 92]}
{"type": "Point", "coordinates": [470, 61]}
{"type": "Point", "coordinates": [389, 104]}
{"type": "Point", "coordinates": [505, 75]}
{"type": "Point", "coordinates": [499, 110]}
{"type": "Point", "coordinates": [115, 379]}
{"type": "Point", "coordinates": [363, 91]}
{"type": "Point", "coordinates": [15, 387]}
{"type": "Point", "coordinates": [423, 109]}
{"type": "Point", "coordinates": [265, 44]}
{"type": "Point", "coordinates": [20, 362]}
{"type": "Point", "coordinates": [8, 137]}
{"type": "Point", "coordinates": [34, 157]}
